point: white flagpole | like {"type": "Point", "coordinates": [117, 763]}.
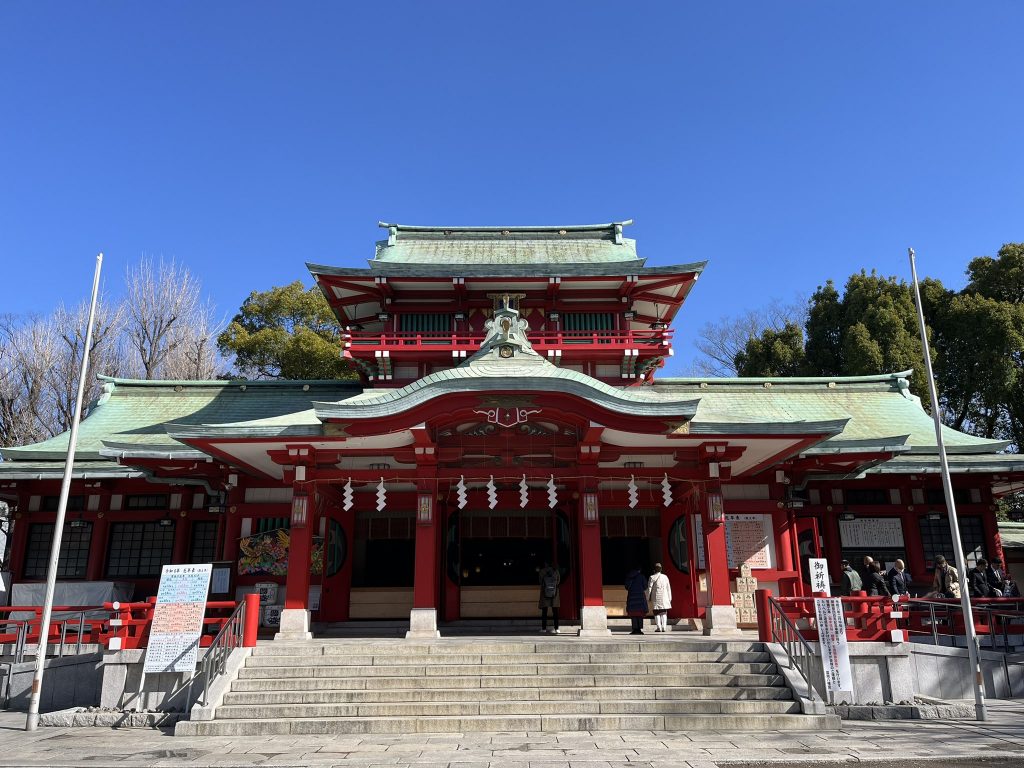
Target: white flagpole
{"type": "Point", "coordinates": [58, 527]}
{"type": "Point", "coordinates": [954, 524]}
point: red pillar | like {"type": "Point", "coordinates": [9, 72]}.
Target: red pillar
{"type": "Point", "coordinates": [426, 582]}
{"type": "Point", "coordinates": [716, 557]}
{"type": "Point", "coordinates": [233, 524]}
{"type": "Point", "coordinates": [720, 615]}
{"type": "Point", "coordinates": [296, 591]}
{"type": "Point", "coordinates": [98, 546]}
{"type": "Point", "coordinates": [295, 616]}
{"type": "Point", "coordinates": [426, 578]}
{"type": "Point", "coordinates": [179, 552]}
{"type": "Point", "coordinates": [593, 615]}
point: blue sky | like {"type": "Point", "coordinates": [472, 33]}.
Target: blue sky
{"type": "Point", "coordinates": [785, 142]}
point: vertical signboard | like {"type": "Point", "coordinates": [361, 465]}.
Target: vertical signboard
{"type": "Point", "coordinates": [835, 654]}
{"type": "Point", "coordinates": [820, 581]}
{"type": "Point", "coordinates": [178, 618]}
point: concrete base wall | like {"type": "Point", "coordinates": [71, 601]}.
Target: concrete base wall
{"type": "Point", "coordinates": [73, 681]}
{"type": "Point", "coordinates": [122, 674]}
{"type": "Point", "coordinates": [897, 672]}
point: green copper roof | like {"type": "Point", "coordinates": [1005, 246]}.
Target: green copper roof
{"type": "Point", "coordinates": [588, 244]}
{"type": "Point", "coordinates": [876, 405]}
{"type": "Point", "coordinates": [131, 415]}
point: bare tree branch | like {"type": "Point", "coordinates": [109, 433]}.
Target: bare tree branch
{"type": "Point", "coordinates": [719, 342]}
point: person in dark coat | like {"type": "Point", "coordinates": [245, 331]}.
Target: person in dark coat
{"type": "Point", "coordinates": [876, 585]}
{"type": "Point", "coordinates": [996, 577]}
{"type": "Point", "coordinates": [851, 580]}
{"type": "Point", "coordinates": [636, 599]}
{"type": "Point", "coordinates": [549, 600]}
{"type": "Point", "coordinates": [977, 581]}
{"type": "Point", "coordinates": [898, 579]}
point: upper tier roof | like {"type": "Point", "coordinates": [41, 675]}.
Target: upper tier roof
{"type": "Point", "coordinates": [586, 244]}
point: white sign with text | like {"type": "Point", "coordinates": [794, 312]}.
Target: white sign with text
{"type": "Point", "coordinates": [820, 581]}
{"type": "Point", "coordinates": [178, 618]}
{"type": "Point", "coordinates": [835, 653]}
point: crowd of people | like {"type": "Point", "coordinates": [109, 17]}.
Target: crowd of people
{"type": "Point", "coordinates": [653, 595]}
{"type": "Point", "coordinates": [985, 579]}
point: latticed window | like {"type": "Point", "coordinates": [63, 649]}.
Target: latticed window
{"type": "Point", "coordinates": [588, 321]}
{"type": "Point", "coordinates": [425, 322]}
{"type": "Point", "coordinates": [139, 549]}
{"type": "Point", "coordinates": [75, 503]}
{"type": "Point", "coordinates": [203, 545]}
{"type": "Point", "coordinates": [74, 550]}
{"type": "Point", "coordinates": [937, 540]}
{"type": "Point", "coordinates": [856, 497]}
{"type": "Point", "coordinates": [147, 501]}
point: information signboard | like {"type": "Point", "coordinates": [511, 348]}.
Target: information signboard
{"type": "Point", "coordinates": [820, 581]}
{"type": "Point", "coordinates": [835, 653]}
{"type": "Point", "coordinates": [178, 618]}
{"type": "Point", "coordinates": [748, 539]}
{"type": "Point", "coordinates": [871, 533]}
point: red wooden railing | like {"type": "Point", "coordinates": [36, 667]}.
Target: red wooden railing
{"type": "Point", "coordinates": [882, 618]}
{"type": "Point", "coordinates": [127, 623]}
{"type": "Point", "coordinates": [541, 340]}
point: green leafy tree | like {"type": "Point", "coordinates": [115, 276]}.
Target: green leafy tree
{"type": "Point", "coordinates": [773, 353]}
{"type": "Point", "coordinates": [287, 332]}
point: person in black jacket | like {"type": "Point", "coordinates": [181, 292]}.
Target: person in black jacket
{"type": "Point", "coordinates": [996, 577]}
{"type": "Point", "coordinates": [977, 581]}
{"type": "Point", "coordinates": [876, 580]}
{"type": "Point", "coordinates": [898, 579]}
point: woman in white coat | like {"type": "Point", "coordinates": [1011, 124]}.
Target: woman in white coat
{"type": "Point", "coordinates": [659, 597]}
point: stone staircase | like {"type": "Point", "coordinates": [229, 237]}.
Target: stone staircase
{"type": "Point", "coordinates": [462, 684]}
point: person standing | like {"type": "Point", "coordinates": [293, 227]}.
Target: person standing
{"type": "Point", "coordinates": [549, 581]}
{"type": "Point", "coordinates": [659, 595]}
{"type": "Point", "coordinates": [636, 600]}
{"type": "Point", "coordinates": [898, 579]}
{"type": "Point", "coordinates": [876, 585]}
{"type": "Point", "coordinates": [946, 582]}
{"type": "Point", "coordinates": [851, 580]}
{"type": "Point", "coordinates": [865, 570]}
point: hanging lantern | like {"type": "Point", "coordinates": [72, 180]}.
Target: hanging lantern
{"type": "Point", "coordinates": [425, 511]}
{"type": "Point", "coordinates": [300, 510]}
{"type": "Point", "coordinates": [716, 508]}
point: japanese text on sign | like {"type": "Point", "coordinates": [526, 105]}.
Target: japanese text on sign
{"type": "Point", "coordinates": [835, 653]}
{"type": "Point", "coordinates": [872, 532]}
{"type": "Point", "coordinates": [820, 581]}
{"type": "Point", "coordinates": [178, 618]}
{"type": "Point", "coordinates": [747, 540]}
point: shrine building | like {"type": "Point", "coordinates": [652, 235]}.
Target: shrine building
{"type": "Point", "coordinates": [507, 413]}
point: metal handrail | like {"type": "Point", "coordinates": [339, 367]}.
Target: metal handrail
{"type": "Point", "coordinates": [24, 630]}
{"type": "Point", "coordinates": [801, 655]}
{"type": "Point", "coordinates": [215, 660]}
{"type": "Point", "coordinates": [952, 608]}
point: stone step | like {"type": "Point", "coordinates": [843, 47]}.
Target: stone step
{"type": "Point", "coordinates": [297, 683]}
{"type": "Point", "coordinates": [266, 660]}
{"type": "Point", "coordinates": [510, 708]}
{"type": "Point", "coordinates": [552, 644]}
{"type": "Point", "coordinates": [257, 698]}
{"type": "Point", "coordinates": [486, 723]}
{"type": "Point", "coordinates": [506, 670]}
